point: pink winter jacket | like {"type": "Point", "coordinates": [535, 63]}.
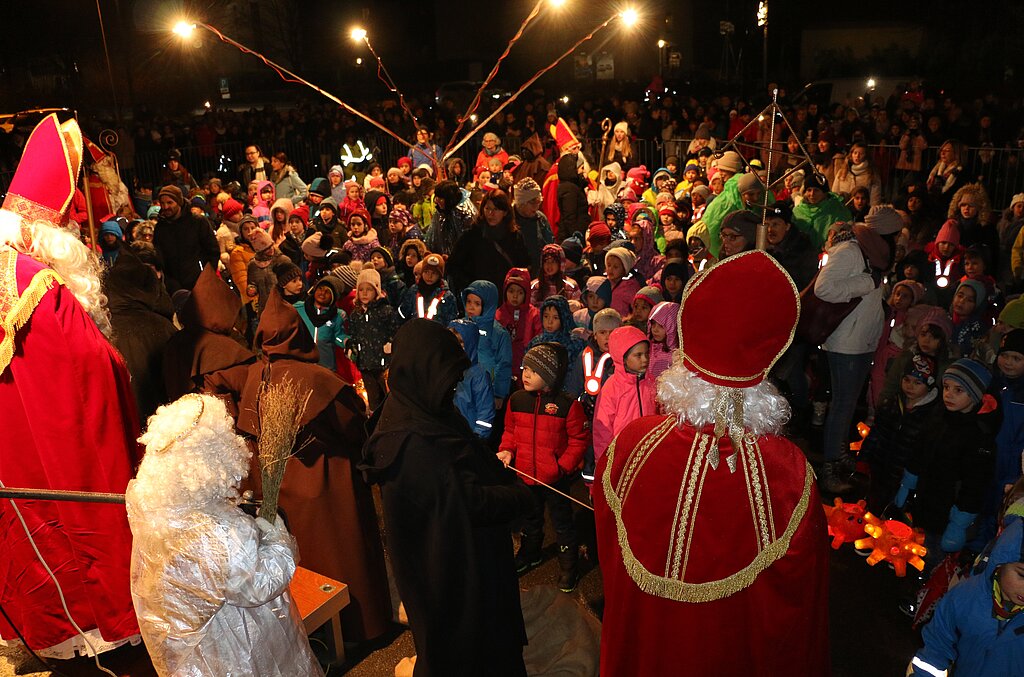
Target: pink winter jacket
{"type": "Point", "coordinates": [666, 314]}
{"type": "Point", "coordinates": [623, 293]}
{"type": "Point", "coordinates": [624, 397]}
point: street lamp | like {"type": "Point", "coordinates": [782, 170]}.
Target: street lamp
{"type": "Point", "coordinates": [184, 29]}
{"type": "Point", "coordinates": [661, 56]}
{"type": "Point", "coordinates": [358, 34]}
{"type": "Point", "coordinates": [629, 17]}
{"type": "Point", "coordinates": [762, 22]}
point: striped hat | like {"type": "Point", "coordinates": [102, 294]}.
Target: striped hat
{"type": "Point", "coordinates": [971, 375]}
{"type": "Point", "coordinates": [547, 360]}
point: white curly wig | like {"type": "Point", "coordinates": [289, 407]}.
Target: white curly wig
{"type": "Point", "coordinates": [193, 456]}
{"type": "Point", "coordinates": [62, 251]}
{"type": "Point", "coordinates": [693, 401]}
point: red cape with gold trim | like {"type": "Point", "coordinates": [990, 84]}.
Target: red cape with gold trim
{"type": "Point", "coordinates": [707, 571]}
{"type": "Point", "coordinates": [69, 422]}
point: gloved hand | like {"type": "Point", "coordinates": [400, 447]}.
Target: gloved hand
{"type": "Point", "coordinates": [955, 536]}
{"type": "Point", "coordinates": [907, 484]}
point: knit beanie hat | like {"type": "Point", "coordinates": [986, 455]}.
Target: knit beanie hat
{"type": "Point", "coordinates": [692, 164]}
{"type": "Point", "coordinates": [389, 260]}
{"type": "Point", "coordinates": [321, 187]}
{"type": "Point", "coordinates": [748, 182]}
{"type": "Point", "coordinates": [1012, 340]}
{"type": "Point", "coordinates": [650, 294]}
{"type": "Point", "coordinates": [598, 234]}
{"type": "Point", "coordinates": [730, 162]}
{"type": "Point", "coordinates": [371, 277]}
{"type": "Point", "coordinates": [607, 318]}
{"type": "Point", "coordinates": [948, 233]}
{"type": "Point", "coordinates": [884, 220]}
{"type": "Point", "coordinates": [260, 241]}
{"type": "Point", "coordinates": [743, 222]}
{"type": "Point", "coordinates": [434, 262]}
{"type": "Point", "coordinates": [1013, 314]}
{"type": "Point", "coordinates": [915, 288]}
{"type": "Point", "coordinates": [286, 271]}
{"type": "Point", "coordinates": [547, 360]}
{"type": "Point", "coordinates": [573, 250]}
{"type": "Point", "coordinates": [231, 207]}
{"type": "Point", "coordinates": [336, 169]}
{"type": "Point", "coordinates": [348, 275]}
{"type": "Point", "coordinates": [970, 375]}
{"type": "Point", "coordinates": [525, 191]}
{"type": "Point", "coordinates": [401, 215]}
{"type": "Point", "coordinates": [923, 368]}
{"type": "Point", "coordinates": [980, 292]}
{"type": "Point", "coordinates": [702, 190]}
{"type": "Point", "coordinates": [174, 193]}
{"type": "Point", "coordinates": [552, 251]}
{"type": "Point", "coordinates": [626, 257]}
{"type": "Point", "coordinates": [938, 318]}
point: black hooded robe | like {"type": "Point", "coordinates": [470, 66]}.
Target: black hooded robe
{"type": "Point", "coordinates": [447, 502]}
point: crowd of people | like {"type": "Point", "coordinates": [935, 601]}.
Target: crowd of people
{"type": "Point", "coordinates": [559, 287]}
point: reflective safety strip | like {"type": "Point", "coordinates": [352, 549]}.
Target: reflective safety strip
{"type": "Point", "coordinates": [942, 275]}
{"type": "Point", "coordinates": [586, 477]}
{"type": "Point", "coordinates": [484, 424]}
{"type": "Point", "coordinates": [592, 374]}
{"type": "Point", "coordinates": [430, 311]}
{"type": "Point", "coordinates": [927, 667]}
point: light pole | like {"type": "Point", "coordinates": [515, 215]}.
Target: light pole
{"type": "Point", "coordinates": [762, 22]}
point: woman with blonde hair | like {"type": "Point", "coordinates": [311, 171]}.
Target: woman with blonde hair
{"type": "Point", "coordinates": [620, 149]}
{"type": "Point", "coordinates": [854, 171]}
{"type": "Point", "coordinates": [946, 177]}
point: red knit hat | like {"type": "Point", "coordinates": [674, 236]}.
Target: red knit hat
{"type": "Point", "coordinates": [949, 233]}
{"type": "Point", "coordinates": [599, 234]}
{"type": "Point", "coordinates": [232, 207]}
{"type": "Point", "coordinates": [736, 349]}
{"type": "Point", "coordinates": [44, 183]}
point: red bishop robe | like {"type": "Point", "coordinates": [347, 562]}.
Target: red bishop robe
{"type": "Point", "coordinates": [549, 201]}
{"type": "Point", "coordinates": [708, 571]}
{"type": "Point", "coordinates": [69, 422]}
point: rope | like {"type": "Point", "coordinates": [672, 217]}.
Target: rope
{"type": "Point", "coordinates": [560, 493]}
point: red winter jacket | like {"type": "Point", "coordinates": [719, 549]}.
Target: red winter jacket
{"type": "Point", "coordinates": [546, 433]}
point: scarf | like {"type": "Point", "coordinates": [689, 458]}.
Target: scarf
{"type": "Point", "coordinates": [1002, 611]}
{"type": "Point", "coordinates": [319, 317]}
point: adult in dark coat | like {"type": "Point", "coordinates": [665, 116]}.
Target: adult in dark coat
{"type": "Point", "coordinates": [209, 341]}
{"type": "Point", "coordinates": [140, 313]}
{"type": "Point", "coordinates": [328, 504]}
{"type": "Point", "coordinates": [186, 242]}
{"type": "Point", "coordinates": [572, 199]}
{"type": "Point", "coordinates": [447, 506]}
{"type": "Point", "coordinates": [791, 247]}
{"type": "Point", "coordinates": [489, 249]}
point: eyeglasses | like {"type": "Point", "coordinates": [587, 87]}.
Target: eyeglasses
{"type": "Point", "coordinates": [731, 237]}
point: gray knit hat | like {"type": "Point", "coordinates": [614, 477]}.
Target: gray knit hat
{"type": "Point", "coordinates": [607, 318]}
{"type": "Point", "coordinates": [548, 360]}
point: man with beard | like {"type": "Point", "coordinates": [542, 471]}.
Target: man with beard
{"type": "Point", "coordinates": [186, 242]}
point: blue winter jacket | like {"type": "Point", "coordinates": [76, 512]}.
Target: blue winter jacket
{"type": "Point", "coordinates": [1010, 439]}
{"type": "Point", "coordinates": [474, 397]}
{"type": "Point", "coordinates": [963, 632]}
{"type": "Point", "coordinates": [495, 349]}
{"type": "Point", "coordinates": [329, 335]}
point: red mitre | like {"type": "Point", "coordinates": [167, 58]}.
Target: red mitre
{"type": "Point", "coordinates": [737, 319]}
{"type": "Point", "coordinates": [563, 135]}
{"type": "Point", "coordinates": [44, 183]}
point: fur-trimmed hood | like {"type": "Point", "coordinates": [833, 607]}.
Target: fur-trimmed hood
{"type": "Point", "coordinates": [977, 191]}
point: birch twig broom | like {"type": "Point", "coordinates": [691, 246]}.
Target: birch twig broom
{"type": "Point", "coordinates": [280, 407]}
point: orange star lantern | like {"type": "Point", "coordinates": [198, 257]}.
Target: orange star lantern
{"type": "Point", "coordinates": [894, 542]}
{"type": "Point", "coordinates": [845, 521]}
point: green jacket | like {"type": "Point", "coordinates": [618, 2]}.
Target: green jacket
{"type": "Point", "coordinates": [815, 220]}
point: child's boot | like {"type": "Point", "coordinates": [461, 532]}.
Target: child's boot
{"type": "Point", "coordinates": [568, 563]}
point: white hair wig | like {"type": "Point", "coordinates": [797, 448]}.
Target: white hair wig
{"type": "Point", "coordinates": [193, 456]}
{"type": "Point", "coordinates": [65, 253]}
{"type": "Point", "coordinates": [692, 400]}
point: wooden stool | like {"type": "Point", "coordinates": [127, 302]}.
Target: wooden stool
{"type": "Point", "coordinates": [319, 600]}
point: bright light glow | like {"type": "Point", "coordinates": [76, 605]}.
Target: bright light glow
{"type": "Point", "coordinates": [557, 3]}
{"type": "Point", "coordinates": [661, 44]}
{"type": "Point", "coordinates": [473, 118]}
{"type": "Point", "coordinates": [565, 99]}
{"type": "Point", "coordinates": [762, 13]}
{"type": "Point", "coordinates": [358, 34]}
{"type": "Point", "coordinates": [629, 17]}
{"type": "Point", "coordinates": [359, 61]}
{"type": "Point", "coordinates": [206, 104]}
{"type": "Point", "coordinates": [871, 83]}
{"type": "Point", "coordinates": [184, 28]}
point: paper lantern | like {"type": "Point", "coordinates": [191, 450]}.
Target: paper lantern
{"type": "Point", "coordinates": [845, 521]}
{"type": "Point", "coordinates": [894, 542]}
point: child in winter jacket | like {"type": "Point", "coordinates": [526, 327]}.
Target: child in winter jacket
{"type": "Point", "coordinates": [260, 279]}
{"type": "Point", "coordinates": [519, 317]}
{"type": "Point", "coordinates": [627, 395]}
{"type": "Point", "coordinates": [362, 237]}
{"type": "Point", "coordinates": [934, 329]}
{"type": "Point", "coordinates": [893, 341]}
{"type": "Point", "coordinates": [618, 263]}
{"type": "Point", "coordinates": [545, 436]}
{"type": "Point", "coordinates": [946, 254]}
{"type": "Point", "coordinates": [598, 366]}
{"type": "Point", "coordinates": [352, 203]}
{"type": "Point", "coordinates": [429, 298]}
{"type": "Point", "coordinates": [952, 470]}
{"type": "Point", "coordinates": [642, 305]}
{"type": "Point", "coordinates": [597, 297]}
{"type": "Point", "coordinates": [265, 196]}
{"type": "Point", "coordinates": [324, 320]}
{"type": "Point", "coordinates": [978, 625]}
{"type": "Point", "coordinates": [494, 353]}
{"type": "Point", "coordinates": [372, 324]}
{"type": "Point", "coordinates": [391, 281]}
{"type": "Point", "coordinates": [552, 279]}
{"type": "Point", "coordinates": [474, 397]}
{"type": "Point", "coordinates": [663, 331]}
{"type": "Point", "coordinates": [556, 327]}
{"type": "Point", "coordinates": [969, 332]}
{"type": "Point", "coordinates": [902, 425]}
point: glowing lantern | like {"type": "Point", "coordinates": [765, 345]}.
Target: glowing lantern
{"type": "Point", "coordinates": [845, 521]}
{"type": "Point", "coordinates": [894, 542]}
{"type": "Point", "coordinates": [862, 429]}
